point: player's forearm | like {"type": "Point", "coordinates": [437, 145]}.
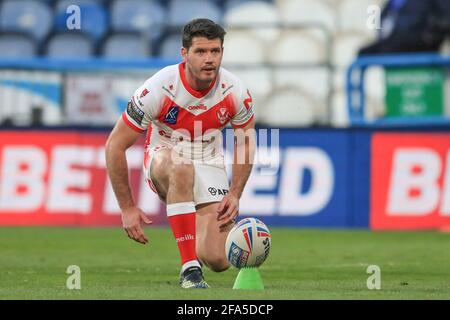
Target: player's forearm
{"type": "Point", "coordinates": [241, 173]}
{"type": "Point", "coordinates": [242, 169]}
{"type": "Point", "coordinates": [117, 167]}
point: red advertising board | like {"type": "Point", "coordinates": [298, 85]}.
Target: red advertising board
{"type": "Point", "coordinates": [60, 178]}
{"type": "Point", "coordinates": [410, 181]}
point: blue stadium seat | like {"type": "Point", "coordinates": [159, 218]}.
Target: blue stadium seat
{"type": "Point", "coordinates": [181, 12]}
{"type": "Point", "coordinates": [70, 46]}
{"type": "Point", "coordinates": [170, 47]}
{"type": "Point", "coordinates": [94, 17]}
{"type": "Point", "coordinates": [144, 16]}
{"type": "Point", "coordinates": [48, 2]}
{"type": "Point", "coordinates": [126, 46]}
{"type": "Point", "coordinates": [219, 3]}
{"type": "Point", "coordinates": [229, 4]}
{"type": "Point", "coordinates": [34, 17]}
{"type": "Point", "coordinates": [16, 46]}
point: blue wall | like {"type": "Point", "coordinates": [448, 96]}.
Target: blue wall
{"type": "Point", "coordinates": [348, 202]}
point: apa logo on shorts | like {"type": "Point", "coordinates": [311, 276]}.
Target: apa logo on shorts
{"type": "Point", "coordinates": [223, 115]}
{"type": "Point", "coordinates": [221, 192]}
{"type": "Point", "coordinates": [172, 115]}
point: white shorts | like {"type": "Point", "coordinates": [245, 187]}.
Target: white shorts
{"type": "Point", "coordinates": [210, 181]}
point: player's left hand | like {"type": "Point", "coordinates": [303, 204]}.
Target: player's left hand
{"type": "Point", "coordinates": [228, 210]}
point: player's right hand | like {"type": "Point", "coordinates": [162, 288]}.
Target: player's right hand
{"type": "Point", "coordinates": [132, 219]}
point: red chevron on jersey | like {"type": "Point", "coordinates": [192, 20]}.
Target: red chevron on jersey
{"type": "Point", "coordinates": [209, 120]}
{"type": "Point", "coordinates": [174, 106]}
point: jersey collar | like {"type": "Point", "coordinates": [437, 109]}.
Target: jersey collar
{"type": "Point", "coordinates": [195, 93]}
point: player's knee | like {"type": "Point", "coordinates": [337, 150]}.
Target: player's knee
{"type": "Point", "coordinates": [161, 162]}
{"type": "Point", "coordinates": [217, 264]}
{"type": "Point", "coordinates": [182, 173]}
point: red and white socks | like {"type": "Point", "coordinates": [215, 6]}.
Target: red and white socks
{"type": "Point", "coordinates": [182, 221]}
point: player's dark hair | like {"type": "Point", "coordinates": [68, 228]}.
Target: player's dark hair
{"type": "Point", "coordinates": [202, 28]}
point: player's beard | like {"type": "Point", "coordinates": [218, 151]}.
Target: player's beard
{"type": "Point", "coordinates": [207, 77]}
{"type": "Point", "coordinates": [200, 76]}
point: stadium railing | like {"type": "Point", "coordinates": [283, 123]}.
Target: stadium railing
{"type": "Point", "coordinates": [356, 88]}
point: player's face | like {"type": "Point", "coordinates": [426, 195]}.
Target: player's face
{"type": "Point", "coordinates": [203, 58]}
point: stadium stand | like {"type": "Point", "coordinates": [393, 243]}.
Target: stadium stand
{"type": "Point", "coordinates": [126, 46]}
{"type": "Point", "coordinates": [339, 114]}
{"type": "Point", "coordinates": [32, 17]}
{"type": "Point", "coordinates": [261, 18]}
{"type": "Point", "coordinates": [17, 45]}
{"type": "Point", "coordinates": [315, 81]}
{"type": "Point", "coordinates": [243, 48]}
{"type": "Point", "coordinates": [95, 17]}
{"type": "Point", "coordinates": [346, 45]}
{"type": "Point", "coordinates": [300, 12]}
{"type": "Point", "coordinates": [144, 16]}
{"type": "Point", "coordinates": [230, 4]}
{"type": "Point", "coordinates": [259, 80]}
{"type": "Point", "coordinates": [70, 46]}
{"type": "Point", "coordinates": [288, 107]}
{"type": "Point", "coordinates": [358, 10]}
{"type": "Point", "coordinates": [180, 12]}
{"type": "Point", "coordinates": [171, 46]}
{"type": "Point", "coordinates": [271, 44]}
{"type": "Point", "coordinates": [297, 48]}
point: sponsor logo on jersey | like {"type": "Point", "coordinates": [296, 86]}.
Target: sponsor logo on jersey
{"type": "Point", "coordinates": [134, 112]}
{"type": "Point", "coordinates": [223, 115]}
{"type": "Point", "coordinates": [144, 93]}
{"type": "Point", "coordinates": [199, 107]}
{"type": "Point", "coordinates": [172, 115]}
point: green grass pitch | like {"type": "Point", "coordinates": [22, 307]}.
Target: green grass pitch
{"type": "Point", "coordinates": [303, 264]}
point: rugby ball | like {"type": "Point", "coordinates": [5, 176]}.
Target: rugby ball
{"type": "Point", "coordinates": [248, 243]}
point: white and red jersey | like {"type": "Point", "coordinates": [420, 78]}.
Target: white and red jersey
{"type": "Point", "coordinates": [175, 115]}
